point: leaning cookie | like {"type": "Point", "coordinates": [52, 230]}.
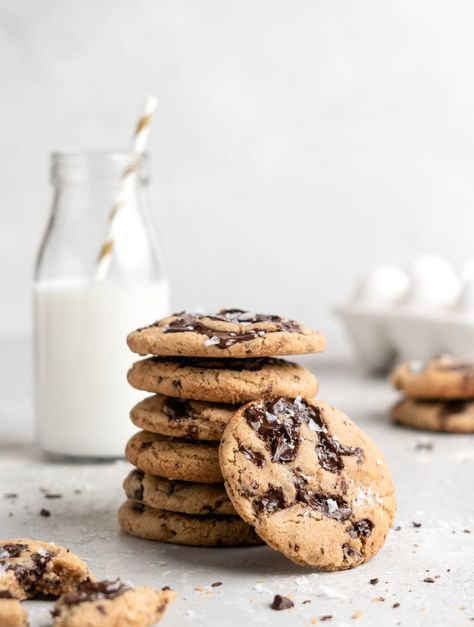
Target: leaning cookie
{"type": "Point", "coordinates": [221, 380]}
{"type": "Point", "coordinates": [12, 613]}
{"type": "Point", "coordinates": [181, 418]}
{"type": "Point", "coordinates": [443, 377]}
{"type": "Point", "coordinates": [227, 333]}
{"type": "Point", "coordinates": [174, 459]}
{"type": "Point", "coordinates": [212, 530]}
{"type": "Point", "coordinates": [30, 567]}
{"type": "Point", "coordinates": [447, 416]}
{"type": "Point", "coordinates": [178, 496]}
{"type": "Point", "coordinates": [313, 485]}
{"type": "Point", "coordinates": [111, 604]}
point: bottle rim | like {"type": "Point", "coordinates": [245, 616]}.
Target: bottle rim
{"type": "Point", "coordinates": [106, 165]}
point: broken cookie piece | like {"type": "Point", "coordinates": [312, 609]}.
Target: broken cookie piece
{"type": "Point", "coordinates": [30, 567]}
{"type": "Point", "coordinates": [111, 603]}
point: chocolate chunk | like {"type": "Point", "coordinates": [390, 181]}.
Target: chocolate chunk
{"type": "Point", "coordinates": [188, 322]}
{"type": "Point", "coordinates": [374, 581]}
{"type": "Point", "coordinates": [332, 507]}
{"type": "Point", "coordinates": [416, 524]}
{"type": "Point", "coordinates": [95, 591]}
{"type": "Point", "coordinates": [271, 500]}
{"type": "Point", "coordinates": [177, 408]}
{"type": "Point", "coordinates": [12, 550]}
{"type": "Point", "coordinates": [451, 408]}
{"type": "Point", "coordinates": [253, 456]}
{"type": "Point", "coordinates": [281, 603]}
{"type": "Point", "coordinates": [363, 528]}
{"type": "Point", "coordinates": [277, 421]}
{"type": "Point", "coordinates": [45, 512]}
{"type": "Point", "coordinates": [350, 553]}
{"type": "Point", "coordinates": [395, 605]}
{"type": "Point", "coordinates": [28, 576]}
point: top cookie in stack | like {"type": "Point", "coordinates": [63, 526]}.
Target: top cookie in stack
{"type": "Point", "coordinates": [202, 368]}
{"type": "Point", "coordinates": [228, 333]}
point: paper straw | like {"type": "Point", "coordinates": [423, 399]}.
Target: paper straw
{"type": "Point", "coordinates": [140, 138]}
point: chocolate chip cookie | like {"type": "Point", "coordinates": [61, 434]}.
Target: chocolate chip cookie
{"type": "Point", "coordinates": [111, 604]}
{"type": "Point", "coordinates": [174, 459]}
{"type": "Point", "coordinates": [29, 568]}
{"type": "Point", "coordinates": [221, 380]}
{"type": "Point", "coordinates": [443, 377]}
{"type": "Point", "coordinates": [12, 613]}
{"type": "Point", "coordinates": [146, 522]}
{"type": "Point", "coordinates": [181, 418]}
{"type": "Point", "coordinates": [312, 484]}
{"type": "Point", "coordinates": [178, 496]}
{"type": "Point", "coordinates": [448, 416]}
{"type": "Point", "coordinates": [227, 333]}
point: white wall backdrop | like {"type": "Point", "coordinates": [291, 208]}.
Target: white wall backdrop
{"type": "Point", "coordinates": [297, 143]}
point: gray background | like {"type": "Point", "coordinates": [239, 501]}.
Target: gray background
{"type": "Point", "coordinates": [296, 144]}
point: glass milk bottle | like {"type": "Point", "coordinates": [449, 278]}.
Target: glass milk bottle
{"type": "Point", "coordinates": [81, 322]}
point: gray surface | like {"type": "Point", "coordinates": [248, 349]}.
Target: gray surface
{"type": "Point", "coordinates": [434, 488]}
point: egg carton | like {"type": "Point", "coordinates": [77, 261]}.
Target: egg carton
{"type": "Point", "coordinates": [398, 315]}
{"type": "Point", "coordinates": [382, 337]}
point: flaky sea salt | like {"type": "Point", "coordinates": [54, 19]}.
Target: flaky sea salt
{"type": "Point", "coordinates": [332, 506]}
{"type": "Point", "coordinates": [212, 341]}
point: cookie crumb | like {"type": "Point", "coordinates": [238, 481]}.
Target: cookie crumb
{"type": "Point", "coordinates": [416, 524]}
{"type": "Point", "coordinates": [306, 601]}
{"type": "Point", "coordinates": [378, 600]}
{"type": "Point", "coordinates": [357, 614]}
{"type": "Point", "coordinates": [45, 512]}
{"type": "Point", "coordinates": [281, 603]}
{"type": "Point", "coordinates": [428, 580]}
{"type": "Point", "coordinates": [374, 581]}
{"type": "Point", "coordinates": [398, 528]}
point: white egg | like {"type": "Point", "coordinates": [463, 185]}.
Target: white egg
{"type": "Point", "coordinates": [433, 283]}
{"type": "Point", "coordinates": [385, 284]}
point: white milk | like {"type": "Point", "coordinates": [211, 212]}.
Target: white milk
{"type": "Point", "coordinates": [83, 399]}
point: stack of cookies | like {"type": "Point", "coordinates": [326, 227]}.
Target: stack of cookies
{"type": "Point", "coordinates": [439, 395]}
{"type": "Point", "coordinates": [203, 368]}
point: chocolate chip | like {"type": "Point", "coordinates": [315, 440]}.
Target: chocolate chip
{"type": "Point", "coordinates": [374, 581]}
{"type": "Point", "coordinates": [428, 580]}
{"type": "Point", "coordinates": [326, 617]}
{"type": "Point", "coordinates": [270, 501]}
{"type": "Point", "coordinates": [363, 528]}
{"type": "Point", "coordinates": [416, 524]}
{"type": "Point", "coordinates": [255, 457]}
{"type": "Point", "coordinates": [139, 508]}
{"type": "Point", "coordinates": [45, 512]}
{"type": "Point", "coordinates": [95, 590]}
{"type": "Point", "coordinates": [395, 605]}
{"type": "Point", "coordinates": [216, 584]}
{"type": "Point", "coordinates": [281, 603]}
{"type": "Point", "coordinates": [12, 550]}
{"type": "Point", "coordinates": [177, 408]}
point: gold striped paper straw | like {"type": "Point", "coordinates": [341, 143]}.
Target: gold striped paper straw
{"type": "Point", "coordinates": [140, 139]}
